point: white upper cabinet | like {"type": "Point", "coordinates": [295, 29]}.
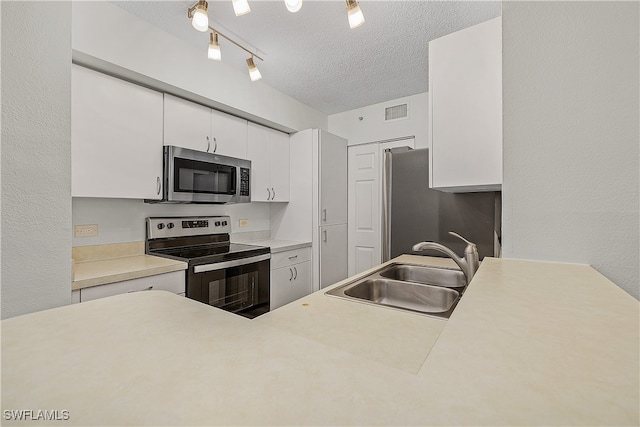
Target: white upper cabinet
{"type": "Point", "coordinates": [229, 135]}
{"type": "Point", "coordinates": [186, 124]}
{"type": "Point", "coordinates": [465, 109]}
{"type": "Point", "coordinates": [268, 150]}
{"type": "Point", "coordinates": [116, 137]}
{"type": "Point", "coordinates": [191, 125]}
{"type": "Point", "coordinates": [333, 179]}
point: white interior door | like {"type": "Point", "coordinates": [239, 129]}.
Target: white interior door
{"type": "Point", "coordinates": [364, 207]}
{"type": "Point", "coordinates": [365, 179]}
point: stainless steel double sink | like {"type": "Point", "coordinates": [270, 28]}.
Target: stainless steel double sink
{"type": "Point", "coordinates": [432, 291]}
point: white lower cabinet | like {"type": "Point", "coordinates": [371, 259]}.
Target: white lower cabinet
{"type": "Point", "coordinates": [172, 282]}
{"type": "Point", "coordinates": [290, 276]}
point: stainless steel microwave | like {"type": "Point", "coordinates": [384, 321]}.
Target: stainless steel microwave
{"type": "Point", "coordinates": [192, 176]}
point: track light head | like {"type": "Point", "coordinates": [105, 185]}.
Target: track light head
{"type": "Point", "coordinates": [293, 5]}
{"type": "Point", "coordinates": [199, 16]}
{"type": "Point", "coordinates": [241, 7]}
{"type": "Point", "coordinates": [254, 73]}
{"type": "Point", "coordinates": [356, 18]}
{"type": "Point", "coordinates": [214, 47]}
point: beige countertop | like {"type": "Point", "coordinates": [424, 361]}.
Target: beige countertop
{"type": "Point", "coordinates": [280, 245]}
{"type": "Point", "coordinates": [103, 264]}
{"type": "Point", "coordinates": [530, 343]}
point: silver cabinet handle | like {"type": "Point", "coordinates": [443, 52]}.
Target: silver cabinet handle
{"type": "Point", "coordinates": [325, 235]}
{"type": "Point", "coordinates": [291, 277]}
{"type": "Point", "coordinates": [296, 276]}
{"type": "Point", "coordinates": [324, 214]}
{"type": "Point", "coordinates": [269, 196]}
{"type": "Point", "coordinates": [158, 185]}
{"type": "Point", "coordinates": [274, 194]}
{"type": "Point", "coordinates": [293, 257]}
{"type": "Point", "coordinates": [215, 144]}
{"type": "Point", "coordinates": [141, 290]}
{"type": "Point", "coordinates": [208, 144]}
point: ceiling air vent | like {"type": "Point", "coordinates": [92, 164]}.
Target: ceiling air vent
{"type": "Point", "coordinates": [396, 112]}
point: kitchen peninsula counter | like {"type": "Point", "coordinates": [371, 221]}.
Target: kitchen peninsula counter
{"type": "Point", "coordinates": [529, 343]}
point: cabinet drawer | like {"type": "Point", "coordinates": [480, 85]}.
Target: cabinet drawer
{"type": "Point", "coordinates": [284, 259]}
{"type": "Point", "coordinates": [172, 282]}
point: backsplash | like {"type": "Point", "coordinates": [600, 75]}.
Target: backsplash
{"type": "Point", "coordinates": [123, 220]}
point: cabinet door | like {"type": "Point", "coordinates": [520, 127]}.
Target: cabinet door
{"type": "Point", "coordinates": [229, 135]}
{"type": "Point", "coordinates": [333, 254]}
{"type": "Point", "coordinates": [333, 179]}
{"type": "Point", "coordinates": [116, 137]}
{"type": "Point", "coordinates": [301, 283]}
{"type": "Point", "coordinates": [187, 124]}
{"type": "Point", "coordinates": [279, 154]}
{"type": "Point", "coordinates": [289, 284]}
{"type": "Point", "coordinates": [258, 151]}
{"type": "Point", "coordinates": [465, 88]}
{"type": "Point", "coordinates": [172, 282]}
{"type": "Point", "coordinates": [280, 287]}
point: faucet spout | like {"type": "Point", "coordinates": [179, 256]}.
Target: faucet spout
{"type": "Point", "coordinates": [469, 265]}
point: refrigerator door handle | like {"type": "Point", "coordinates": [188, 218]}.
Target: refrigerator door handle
{"type": "Point", "coordinates": [386, 206]}
{"type": "Point", "coordinates": [324, 235]}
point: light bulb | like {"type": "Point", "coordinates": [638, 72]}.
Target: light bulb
{"type": "Point", "coordinates": [200, 18]}
{"type": "Point", "coordinates": [356, 18]}
{"type": "Point", "coordinates": [241, 7]}
{"type": "Point", "coordinates": [254, 73]}
{"type": "Point", "coordinates": [214, 48]}
{"type": "Point", "coordinates": [293, 5]}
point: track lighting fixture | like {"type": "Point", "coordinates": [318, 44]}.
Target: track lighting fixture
{"type": "Point", "coordinates": [214, 47]}
{"type": "Point", "coordinates": [241, 7]}
{"type": "Point", "coordinates": [254, 73]}
{"type": "Point", "coordinates": [199, 16]}
{"type": "Point", "coordinates": [293, 5]}
{"type": "Point", "coordinates": [356, 18]}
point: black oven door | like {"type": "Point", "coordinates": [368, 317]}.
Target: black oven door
{"type": "Point", "coordinates": [239, 286]}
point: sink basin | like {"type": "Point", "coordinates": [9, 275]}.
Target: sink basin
{"type": "Point", "coordinates": [410, 296]}
{"type": "Point", "coordinates": [446, 277]}
{"type": "Point", "coordinates": [430, 291]}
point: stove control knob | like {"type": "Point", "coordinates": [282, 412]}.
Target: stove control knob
{"type": "Point", "coordinates": [224, 223]}
{"type": "Point", "coordinates": [170, 225]}
{"type": "Point", "coordinates": [217, 223]}
{"type": "Point", "coordinates": [160, 226]}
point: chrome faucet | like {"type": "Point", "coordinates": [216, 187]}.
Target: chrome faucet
{"type": "Point", "coordinates": [469, 265]}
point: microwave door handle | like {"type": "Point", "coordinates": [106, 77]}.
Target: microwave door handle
{"type": "Point", "coordinates": [158, 185]}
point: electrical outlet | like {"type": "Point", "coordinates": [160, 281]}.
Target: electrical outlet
{"type": "Point", "coordinates": [243, 223]}
{"type": "Point", "coordinates": [87, 230]}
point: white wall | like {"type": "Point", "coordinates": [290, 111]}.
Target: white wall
{"type": "Point", "coordinates": [373, 128]}
{"type": "Point", "coordinates": [123, 220]}
{"type": "Point", "coordinates": [571, 138]}
{"type": "Point", "coordinates": [36, 154]}
{"type": "Point", "coordinates": [108, 37]}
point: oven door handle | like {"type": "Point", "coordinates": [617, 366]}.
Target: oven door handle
{"type": "Point", "coordinates": [229, 264]}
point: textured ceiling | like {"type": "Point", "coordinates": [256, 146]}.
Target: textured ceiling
{"type": "Point", "coordinates": [314, 57]}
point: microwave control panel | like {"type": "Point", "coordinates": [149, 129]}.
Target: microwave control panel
{"type": "Point", "coordinates": [244, 182]}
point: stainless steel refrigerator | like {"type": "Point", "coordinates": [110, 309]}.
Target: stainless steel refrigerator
{"type": "Point", "coordinates": [412, 212]}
